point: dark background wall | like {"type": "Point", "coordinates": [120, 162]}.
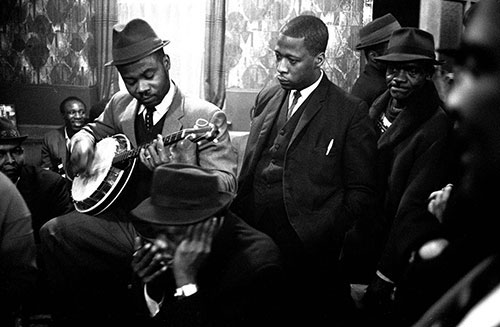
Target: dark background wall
{"type": "Point", "coordinates": [407, 12]}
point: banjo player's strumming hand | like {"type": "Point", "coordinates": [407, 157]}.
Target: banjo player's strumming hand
{"type": "Point", "coordinates": [82, 155]}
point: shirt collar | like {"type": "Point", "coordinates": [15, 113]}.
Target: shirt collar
{"type": "Point", "coordinates": [304, 93]}
{"type": "Point", "coordinates": [162, 108]}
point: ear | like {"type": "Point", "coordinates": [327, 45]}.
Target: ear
{"type": "Point", "coordinates": [319, 59]}
{"type": "Point", "coordinates": [371, 55]}
{"type": "Point", "coordinates": [166, 62]}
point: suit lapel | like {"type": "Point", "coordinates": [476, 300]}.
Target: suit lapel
{"type": "Point", "coordinates": [264, 124]}
{"type": "Point", "coordinates": [129, 116]}
{"type": "Point", "coordinates": [174, 115]}
{"type": "Point", "coordinates": [313, 105]}
{"type": "Point", "coordinates": [61, 146]}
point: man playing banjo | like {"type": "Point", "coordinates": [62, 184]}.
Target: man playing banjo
{"type": "Point", "coordinates": [88, 257]}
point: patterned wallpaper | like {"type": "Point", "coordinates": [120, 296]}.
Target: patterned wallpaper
{"type": "Point", "coordinates": [47, 42]}
{"type": "Point", "coordinates": [252, 30]}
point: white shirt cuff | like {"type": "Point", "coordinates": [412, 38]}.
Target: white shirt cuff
{"type": "Point", "coordinates": [153, 306]}
{"type": "Point", "coordinates": [379, 274]}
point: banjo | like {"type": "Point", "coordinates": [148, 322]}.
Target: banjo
{"type": "Point", "coordinates": [113, 164]}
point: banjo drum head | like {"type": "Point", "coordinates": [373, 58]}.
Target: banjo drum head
{"type": "Point", "coordinates": [84, 186]}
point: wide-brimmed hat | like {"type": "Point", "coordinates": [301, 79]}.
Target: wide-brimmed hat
{"type": "Point", "coordinates": [377, 31]}
{"type": "Point", "coordinates": [410, 44]}
{"type": "Point", "coordinates": [9, 134]}
{"type": "Point", "coordinates": [134, 41]}
{"type": "Point", "coordinates": [181, 195]}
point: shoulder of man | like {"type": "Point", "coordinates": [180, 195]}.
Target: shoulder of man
{"type": "Point", "coordinates": [46, 179]}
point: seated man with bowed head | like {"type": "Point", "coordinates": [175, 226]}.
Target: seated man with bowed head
{"type": "Point", "coordinates": [18, 270]}
{"type": "Point", "coordinates": [87, 256]}
{"type": "Point", "coordinates": [199, 264]}
{"type": "Point", "coordinates": [55, 147]}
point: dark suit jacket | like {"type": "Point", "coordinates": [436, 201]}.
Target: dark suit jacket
{"type": "Point", "coordinates": [239, 284]}
{"type": "Point", "coordinates": [323, 194]}
{"type": "Point", "coordinates": [46, 194]}
{"type": "Point", "coordinates": [370, 84]}
{"type": "Point", "coordinates": [54, 150]}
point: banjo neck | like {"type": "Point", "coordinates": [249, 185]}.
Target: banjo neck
{"type": "Point", "coordinates": [207, 132]}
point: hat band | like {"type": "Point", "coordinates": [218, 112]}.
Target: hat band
{"type": "Point", "coordinates": [405, 49]}
{"type": "Point", "coordinates": [136, 50]}
{"type": "Point", "coordinates": [381, 33]}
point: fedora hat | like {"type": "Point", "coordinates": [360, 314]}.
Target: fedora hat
{"type": "Point", "coordinates": [409, 44]}
{"type": "Point", "coordinates": [9, 133]}
{"type": "Point", "coordinates": [134, 41]}
{"type": "Point", "coordinates": [377, 31]}
{"type": "Point", "coordinates": [181, 195]}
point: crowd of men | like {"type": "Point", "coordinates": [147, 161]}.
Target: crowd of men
{"type": "Point", "coordinates": [370, 208]}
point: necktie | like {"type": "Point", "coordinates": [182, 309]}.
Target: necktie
{"type": "Point", "coordinates": [296, 97]}
{"type": "Point", "coordinates": [149, 118]}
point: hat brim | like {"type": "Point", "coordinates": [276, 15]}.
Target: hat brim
{"type": "Point", "coordinates": [147, 212]}
{"type": "Point", "coordinates": [361, 46]}
{"type": "Point", "coordinates": [13, 140]}
{"type": "Point", "coordinates": [403, 57]}
{"type": "Point", "coordinates": [128, 61]}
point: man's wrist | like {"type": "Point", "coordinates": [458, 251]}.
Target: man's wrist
{"type": "Point", "coordinates": [186, 290]}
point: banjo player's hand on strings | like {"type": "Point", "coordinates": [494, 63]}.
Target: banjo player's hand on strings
{"type": "Point", "coordinates": [157, 153]}
{"type": "Point", "coordinates": [82, 155]}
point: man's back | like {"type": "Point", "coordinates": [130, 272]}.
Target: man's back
{"type": "Point", "coordinates": [17, 251]}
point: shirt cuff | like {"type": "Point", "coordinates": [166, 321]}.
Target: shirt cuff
{"type": "Point", "coordinates": [384, 278]}
{"type": "Point", "coordinates": [153, 306]}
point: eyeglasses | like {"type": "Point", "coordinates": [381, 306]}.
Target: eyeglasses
{"type": "Point", "coordinates": [15, 152]}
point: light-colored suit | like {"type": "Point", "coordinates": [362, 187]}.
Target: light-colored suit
{"type": "Point", "coordinates": [121, 111]}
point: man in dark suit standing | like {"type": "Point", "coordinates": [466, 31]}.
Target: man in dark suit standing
{"type": "Point", "coordinates": [55, 147]}
{"type": "Point", "coordinates": [308, 171]}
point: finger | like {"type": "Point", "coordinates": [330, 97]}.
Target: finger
{"type": "Point", "coordinates": [150, 262]}
{"type": "Point", "coordinates": [137, 243]}
{"type": "Point", "coordinates": [210, 233]}
{"type": "Point", "coordinates": [145, 158]}
{"type": "Point", "coordinates": [141, 258]}
{"type": "Point", "coordinates": [155, 159]}
{"type": "Point", "coordinates": [163, 152]}
{"type": "Point", "coordinates": [155, 274]}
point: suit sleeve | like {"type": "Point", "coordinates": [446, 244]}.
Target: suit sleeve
{"type": "Point", "coordinates": [59, 195]}
{"type": "Point", "coordinates": [46, 160]}
{"type": "Point", "coordinates": [358, 166]}
{"type": "Point", "coordinates": [413, 224]}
